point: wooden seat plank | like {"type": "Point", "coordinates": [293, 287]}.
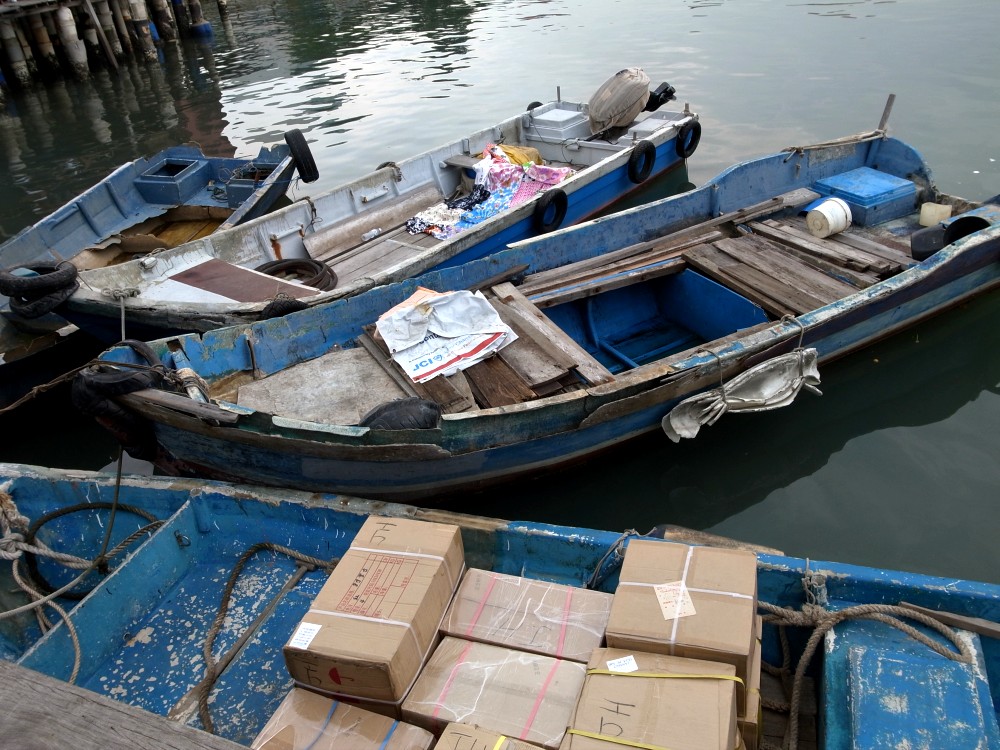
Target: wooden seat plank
{"type": "Point", "coordinates": [548, 335]}
{"type": "Point", "coordinates": [601, 284]}
{"type": "Point", "coordinates": [826, 247]}
{"type": "Point", "coordinates": [634, 256]}
{"type": "Point", "coordinates": [450, 393]}
{"type": "Point", "coordinates": [742, 279]}
{"type": "Point", "coordinates": [770, 258]}
{"type": "Point", "coordinates": [495, 383]}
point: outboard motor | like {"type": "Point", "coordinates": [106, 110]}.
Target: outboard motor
{"type": "Point", "coordinates": [664, 93]}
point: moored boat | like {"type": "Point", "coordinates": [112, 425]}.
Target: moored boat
{"type": "Point", "coordinates": [203, 578]}
{"type": "Point", "coordinates": [553, 164]}
{"type": "Point", "coordinates": [666, 316]}
{"type": "Point", "coordinates": [146, 205]}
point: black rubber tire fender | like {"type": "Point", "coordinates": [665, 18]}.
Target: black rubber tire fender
{"type": "Point", "coordinates": [688, 138]}
{"type": "Point", "coordinates": [51, 278]}
{"type": "Point", "coordinates": [310, 272]}
{"type": "Point", "coordinates": [302, 155]}
{"type": "Point", "coordinates": [36, 307]}
{"type": "Point", "coordinates": [533, 105]}
{"type": "Point", "coordinates": [413, 413]}
{"type": "Point", "coordinates": [555, 199]}
{"type": "Point", "coordinates": [99, 382]}
{"type": "Point", "coordinates": [641, 161]}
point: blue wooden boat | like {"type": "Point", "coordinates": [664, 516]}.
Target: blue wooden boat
{"type": "Point", "coordinates": [175, 196]}
{"type": "Point", "coordinates": [545, 167]}
{"type": "Point", "coordinates": [185, 554]}
{"type": "Point", "coordinates": [663, 316]}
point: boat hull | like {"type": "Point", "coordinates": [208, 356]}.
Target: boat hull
{"type": "Point", "coordinates": [477, 448]}
{"type": "Point", "coordinates": [143, 625]}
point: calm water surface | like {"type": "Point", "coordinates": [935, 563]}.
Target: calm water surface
{"type": "Point", "coordinates": [895, 465]}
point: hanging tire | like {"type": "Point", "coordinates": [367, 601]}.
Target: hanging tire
{"type": "Point", "coordinates": [641, 161]}
{"type": "Point", "coordinates": [302, 156]}
{"type": "Point", "coordinates": [688, 138]}
{"type": "Point", "coordinates": [307, 271]}
{"type": "Point", "coordinates": [37, 306]}
{"type": "Point", "coordinates": [51, 277]}
{"type": "Point", "coordinates": [412, 413]}
{"type": "Point", "coordinates": [550, 210]}
{"type": "Point", "coordinates": [533, 105]}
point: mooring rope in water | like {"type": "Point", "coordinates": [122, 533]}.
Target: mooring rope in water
{"type": "Point", "coordinates": [212, 672]}
{"type": "Point", "coordinates": [822, 620]}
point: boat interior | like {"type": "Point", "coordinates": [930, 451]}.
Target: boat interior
{"type": "Point", "coordinates": [559, 131]}
{"type": "Point", "coordinates": [586, 323]}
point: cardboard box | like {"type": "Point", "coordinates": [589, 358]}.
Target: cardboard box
{"type": "Point", "coordinates": [630, 697]}
{"type": "Point", "coordinates": [307, 720]}
{"type": "Point", "coordinates": [680, 600]}
{"type": "Point", "coordinates": [458, 736]}
{"type": "Point", "coordinates": [751, 719]}
{"type": "Point", "coordinates": [376, 619]}
{"type": "Point", "coordinates": [526, 696]}
{"type": "Point", "coordinates": [543, 618]}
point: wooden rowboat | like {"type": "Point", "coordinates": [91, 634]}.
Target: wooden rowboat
{"type": "Point", "coordinates": [184, 554]}
{"type": "Point", "coordinates": [151, 203]}
{"type": "Point", "coordinates": [664, 316]}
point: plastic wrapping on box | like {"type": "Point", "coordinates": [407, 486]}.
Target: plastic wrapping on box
{"type": "Point", "coordinates": [525, 696]}
{"type": "Point", "coordinates": [636, 699]}
{"type": "Point", "coordinates": [698, 602]}
{"type": "Point", "coordinates": [458, 736]}
{"type": "Point", "coordinates": [307, 721]}
{"type": "Point", "coordinates": [544, 618]}
{"type": "Point", "coordinates": [376, 619]}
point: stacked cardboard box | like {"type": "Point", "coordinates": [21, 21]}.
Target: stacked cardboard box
{"type": "Point", "coordinates": [698, 602]}
{"type": "Point", "coordinates": [567, 622]}
{"type": "Point", "coordinates": [375, 621]}
{"type": "Point", "coordinates": [637, 699]}
{"type": "Point", "coordinates": [751, 719]}
{"type": "Point", "coordinates": [526, 696]}
{"type": "Point", "coordinates": [307, 721]}
{"type": "Point", "coordinates": [458, 736]}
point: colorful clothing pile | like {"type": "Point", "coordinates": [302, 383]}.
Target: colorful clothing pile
{"type": "Point", "coordinates": [500, 184]}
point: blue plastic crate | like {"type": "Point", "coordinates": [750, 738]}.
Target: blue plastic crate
{"type": "Point", "coordinates": [873, 196]}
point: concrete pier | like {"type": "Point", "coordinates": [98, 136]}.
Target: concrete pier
{"type": "Point", "coordinates": [44, 39]}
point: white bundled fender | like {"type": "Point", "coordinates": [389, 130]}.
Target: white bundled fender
{"type": "Point", "coordinates": [769, 385]}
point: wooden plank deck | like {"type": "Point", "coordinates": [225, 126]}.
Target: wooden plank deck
{"type": "Point", "coordinates": [42, 712]}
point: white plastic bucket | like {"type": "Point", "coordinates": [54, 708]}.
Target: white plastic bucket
{"type": "Point", "coordinates": [829, 217]}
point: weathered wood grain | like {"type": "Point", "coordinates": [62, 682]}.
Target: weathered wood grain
{"type": "Point", "coordinates": [41, 713]}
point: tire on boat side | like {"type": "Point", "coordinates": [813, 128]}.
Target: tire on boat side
{"type": "Point", "coordinates": [412, 413]}
{"type": "Point", "coordinates": [93, 391]}
{"type": "Point", "coordinates": [533, 105]}
{"type": "Point", "coordinates": [314, 273]}
{"type": "Point", "coordinates": [51, 277]}
{"type": "Point", "coordinates": [556, 200]}
{"type": "Point", "coordinates": [641, 161]}
{"type": "Point", "coordinates": [688, 138]}
{"type": "Point", "coordinates": [305, 164]}
{"type": "Point", "coordinates": [32, 307]}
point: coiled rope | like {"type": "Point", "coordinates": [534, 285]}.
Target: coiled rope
{"type": "Point", "coordinates": [212, 672]}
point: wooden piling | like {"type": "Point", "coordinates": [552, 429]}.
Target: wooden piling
{"type": "Point", "coordinates": [164, 20]}
{"type": "Point", "coordinates": [15, 55]}
{"type": "Point", "coordinates": [76, 50]}
{"type": "Point", "coordinates": [122, 24]}
{"type": "Point", "coordinates": [199, 26]}
{"type": "Point", "coordinates": [140, 22]}
{"type": "Point", "coordinates": [48, 61]}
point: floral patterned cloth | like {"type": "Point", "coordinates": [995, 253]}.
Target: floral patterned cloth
{"type": "Point", "coordinates": [500, 185]}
